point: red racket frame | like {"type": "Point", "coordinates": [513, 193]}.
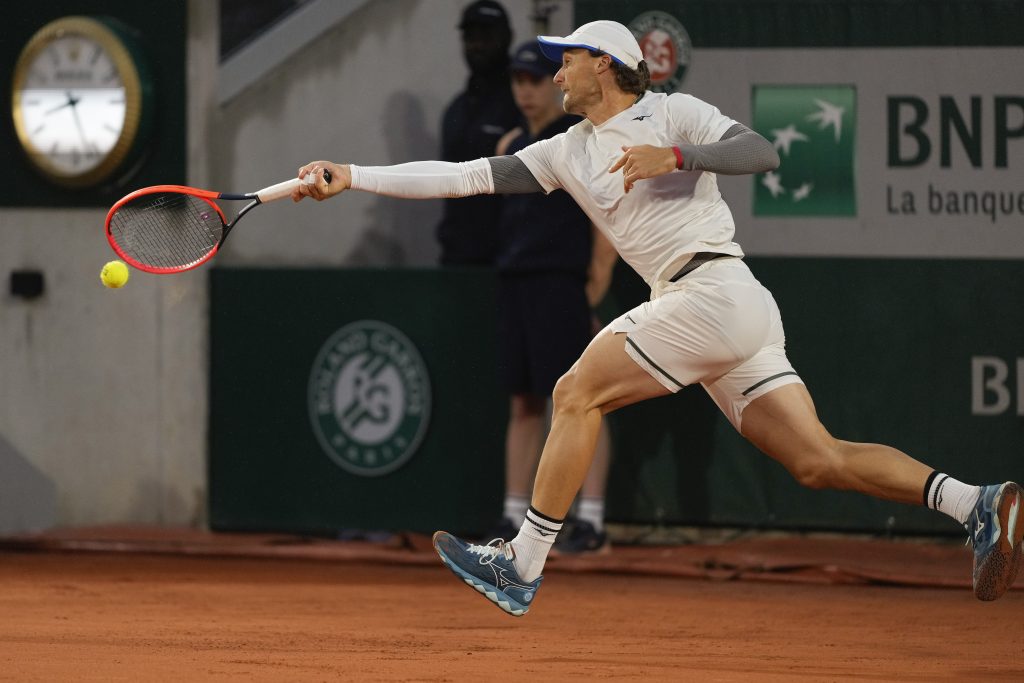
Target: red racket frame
{"type": "Point", "coordinates": [206, 195]}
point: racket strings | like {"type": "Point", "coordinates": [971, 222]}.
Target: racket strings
{"type": "Point", "coordinates": [167, 230]}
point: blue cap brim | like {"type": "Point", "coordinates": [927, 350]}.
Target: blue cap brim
{"type": "Point", "coordinates": [553, 51]}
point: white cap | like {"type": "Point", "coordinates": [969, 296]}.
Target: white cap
{"type": "Point", "coordinates": [609, 37]}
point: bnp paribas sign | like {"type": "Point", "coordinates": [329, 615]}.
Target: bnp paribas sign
{"type": "Point", "coordinates": [885, 152]}
{"type": "Point", "coordinates": [814, 130]}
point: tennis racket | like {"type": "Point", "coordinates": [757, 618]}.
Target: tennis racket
{"type": "Point", "coordinates": [172, 228]}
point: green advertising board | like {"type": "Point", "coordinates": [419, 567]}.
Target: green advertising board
{"type": "Point", "coordinates": [357, 399]}
{"type": "Point", "coordinates": [369, 399]}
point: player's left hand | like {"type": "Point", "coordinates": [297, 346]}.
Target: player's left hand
{"type": "Point", "coordinates": [643, 161]}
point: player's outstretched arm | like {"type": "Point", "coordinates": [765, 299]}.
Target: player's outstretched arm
{"type": "Point", "coordinates": [423, 179]}
{"type": "Point", "coordinates": [740, 151]}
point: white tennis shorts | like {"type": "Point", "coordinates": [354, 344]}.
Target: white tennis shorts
{"type": "Point", "coordinates": [718, 326]}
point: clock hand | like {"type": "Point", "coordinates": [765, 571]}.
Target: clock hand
{"type": "Point", "coordinates": [70, 103]}
{"type": "Point", "coordinates": [72, 100]}
{"type": "Point", "coordinates": [78, 124]}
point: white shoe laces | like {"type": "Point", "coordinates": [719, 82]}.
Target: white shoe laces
{"type": "Point", "coordinates": [489, 552]}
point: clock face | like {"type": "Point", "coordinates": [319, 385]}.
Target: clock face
{"type": "Point", "coordinates": [72, 104]}
{"type": "Point", "coordinates": [78, 101]}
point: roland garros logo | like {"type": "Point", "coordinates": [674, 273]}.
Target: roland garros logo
{"type": "Point", "coordinates": [369, 398]}
{"type": "Point", "coordinates": [666, 46]}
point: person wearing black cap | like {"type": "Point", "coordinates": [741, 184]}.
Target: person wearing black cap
{"type": "Point", "coordinates": [644, 167]}
{"type": "Point", "coordinates": [473, 124]}
{"type": "Point", "coordinates": [553, 268]}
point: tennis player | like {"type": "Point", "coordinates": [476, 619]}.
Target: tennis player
{"type": "Point", "coordinates": [643, 166]}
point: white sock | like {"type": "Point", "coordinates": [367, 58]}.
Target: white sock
{"type": "Point", "coordinates": [532, 544]}
{"type": "Point", "coordinates": [592, 510]}
{"type": "Point", "coordinates": [515, 507]}
{"type": "Point", "coordinates": [955, 498]}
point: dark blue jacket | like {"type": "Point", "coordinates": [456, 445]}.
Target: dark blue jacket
{"type": "Point", "coordinates": [543, 232]}
{"type": "Point", "coordinates": [472, 126]}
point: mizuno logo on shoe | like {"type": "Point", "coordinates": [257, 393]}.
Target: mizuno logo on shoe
{"type": "Point", "coordinates": [503, 581]}
{"type": "Point", "coordinates": [1012, 525]}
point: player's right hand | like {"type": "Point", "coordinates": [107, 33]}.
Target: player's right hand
{"type": "Point", "coordinates": [643, 161]}
{"type": "Point", "coordinates": [341, 180]}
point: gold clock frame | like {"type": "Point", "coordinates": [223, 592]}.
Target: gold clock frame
{"type": "Point", "coordinates": [124, 62]}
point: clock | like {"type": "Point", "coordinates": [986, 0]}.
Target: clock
{"type": "Point", "coordinates": [81, 101]}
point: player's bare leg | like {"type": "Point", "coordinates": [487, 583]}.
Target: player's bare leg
{"type": "Point", "coordinates": [603, 379]}
{"type": "Point", "coordinates": [783, 424]}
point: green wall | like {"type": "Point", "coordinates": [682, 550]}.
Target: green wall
{"type": "Point", "coordinates": [885, 348]}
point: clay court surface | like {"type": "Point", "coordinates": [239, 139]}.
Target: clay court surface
{"type": "Point", "coordinates": [132, 611]}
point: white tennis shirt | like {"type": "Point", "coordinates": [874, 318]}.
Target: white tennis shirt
{"type": "Point", "coordinates": [661, 221]}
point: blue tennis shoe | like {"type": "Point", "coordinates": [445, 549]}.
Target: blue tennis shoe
{"type": "Point", "coordinates": [490, 570]}
{"type": "Point", "coordinates": [996, 528]}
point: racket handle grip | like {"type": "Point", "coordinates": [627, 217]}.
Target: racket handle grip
{"type": "Point", "coordinates": [285, 189]}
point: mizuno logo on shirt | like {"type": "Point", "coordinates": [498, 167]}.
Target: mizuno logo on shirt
{"type": "Point", "coordinates": [642, 117]}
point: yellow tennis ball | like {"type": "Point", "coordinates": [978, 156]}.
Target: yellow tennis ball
{"type": "Point", "coordinates": [114, 275]}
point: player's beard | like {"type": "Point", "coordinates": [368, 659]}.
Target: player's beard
{"type": "Point", "coordinates": [579, 98]}
{"type": "Point", "coordinates": [582, 94]}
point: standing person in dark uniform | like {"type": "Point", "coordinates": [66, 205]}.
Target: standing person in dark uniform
{"type": "Point", "coordinates": [473, 124]}
{"type": "Point", "coordinates": [553, 268]}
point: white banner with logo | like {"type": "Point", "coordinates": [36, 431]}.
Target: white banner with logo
{"type": "Point", "coordinates": [911, 152]}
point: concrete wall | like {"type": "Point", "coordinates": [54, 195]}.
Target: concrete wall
{"type": "Point", "coordinates": [104, 393]}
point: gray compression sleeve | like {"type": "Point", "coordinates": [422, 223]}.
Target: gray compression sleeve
{"type": "Point", "coordinates": [739, 151]}
{"type": "Point", "coordinates": [511, 176]}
